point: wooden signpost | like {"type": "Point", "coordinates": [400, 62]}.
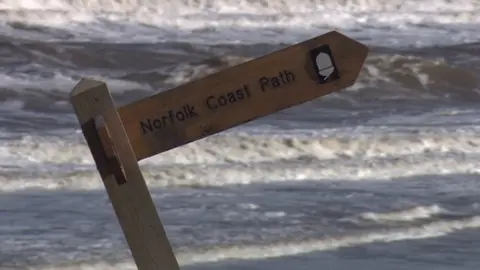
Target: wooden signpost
{"type": "Point", "coordinates": [119, 137]}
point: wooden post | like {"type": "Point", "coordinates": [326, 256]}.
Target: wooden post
{"type": "Point", "coordinates": [119, 138]}
{"type": "Point", "coordinates": [121, 175]}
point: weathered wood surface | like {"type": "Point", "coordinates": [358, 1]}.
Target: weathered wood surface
{"type": "Point", "coordinates": [240, 94]}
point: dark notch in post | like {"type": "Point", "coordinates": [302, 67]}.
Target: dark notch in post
{"type": "Point", "coordinates": [109, 150]}
{"type": "Point", "coordinates": [97, 135]}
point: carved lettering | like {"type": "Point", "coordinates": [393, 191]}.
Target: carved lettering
{"type": "Point", "coordinates": [215, 102]}
{"type": "Point", "coordinates": [284, 77]}
{"type": "Point", "coordinates": [172, 117]}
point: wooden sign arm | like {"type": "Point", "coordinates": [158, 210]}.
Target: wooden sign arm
{"type": "Point", "coordinates": [245, 92]}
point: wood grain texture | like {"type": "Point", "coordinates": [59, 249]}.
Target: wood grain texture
{"type": "Point", "coordinates": [131, 199]}
{"type": "Point", "coordinates": [157, 111]}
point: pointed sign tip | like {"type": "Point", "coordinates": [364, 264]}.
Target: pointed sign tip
{"type": "Point", "coordinates": [362, 48]}
{"type": "Point", "coordinates": [357, 51]}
